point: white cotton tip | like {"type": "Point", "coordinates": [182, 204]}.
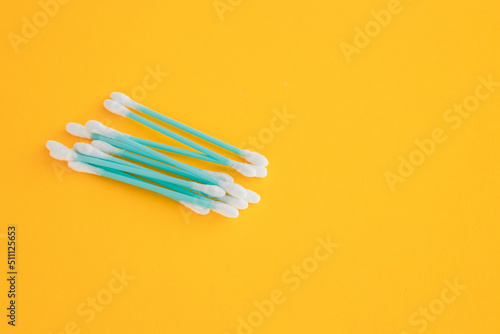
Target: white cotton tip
{"type": "Point", "coordinates": [254, 158]}
{"type": "Point", "coordinates": [95, 127]}
{"type": "Point", "coordinates": [116, 108]}
{"type": "Point", "coordinates": [214, 191]}
{"type": "Point", "coordinates": [238, 203]}
{"type": "Point", "coordinates": [59, 151]}
{"type": "Point", "coordinates": [252, 197]}
{"type": "Point", "coordinates": [201, 210]}
{"type": "Point", "coordinates": [124, 99]}
{"type": "Point", "coordinates": [218, 175]}
{"type": "Point", "coordinates": [106, 147]}
{"type": "Point", "coordinates": [242, 168]}
{"type": "Point", "coordinates": [84, 168]}
{"type": "Point", "coordinates": [51, 144]}
{"type": "Point", "coordinates": [261, 171]}
{"type": "Point", "coordinates": [87, 149]}
{"type": "Point", "coordinates": [101, 129]}
{"type": "Point", "coordinates": [78, 130]}
{"type": "Point", "coordinates": [233, 189]}
{"type": "Point", "coordinates": [226, 210]}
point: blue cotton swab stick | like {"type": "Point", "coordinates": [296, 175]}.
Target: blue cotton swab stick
{"type": "Point", "coordinates": [111, 150]}
{"type": "Point", "coordinates": [114, 147]}
{"type": "Point", "coordinates": [79, 130]}
{"type": "Point", "coordinates": [197, 204]}
{"type": "Point", "coordinates": [169, 193]}
{"type": "Point", "coordinates": [122, 150]}
{"type": "Point", "coordinates": [245, 169]}
{"type": "Point", "coordinates": [226, 180]}
{"type": "Point", "coordinates": [260, 171]}
{"type": "Point", "coordinates": [61, 152]}
{"type": "Point", "coordinates": [109, 144]}
{"type": "Point", "coordinates": [88, 154]}
{"type": "Point", "coordinates": [112, 142]}
{"type": "Point", "coordinates": [106, 147]}
{"type": "Point", "coordinates": [201, 210]}
{"type": "Point", "coordinates": [210, 190]}
{"type": "Point", "coordinates": [117, 108]}
{"type": "Point", "coordinates": [100, 159]}
{"type": "Point", "coordinates": [231, 188]}
{"type": "Point", "coordinates": [252, 157]}
{"type": "Point", "coordinates": [237, 203]}
{"type": "Point", "coordinates": [176, 150]}
{"type": "Point", "coordinates": [100, 129]}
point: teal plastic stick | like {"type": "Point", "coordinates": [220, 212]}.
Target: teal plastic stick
{"type": "Point", "coordinates": [135, 154]}
{"type": "Point", "coordinates": [140, 156]}
{"type": "Point", "coordinates": [163, 183]}
{"type": "Point", "coordinates": [188, 129]}
{"type": "Point", "coordinates": [160, 165]}
{"type": "Point", "coordinates": [177, 150]}
{"type": "Point", "coordinates": [168, 185]}
{"type": "Point", "coordinates": [178, 137]}
{"type": "Point", "coordinates": [180, 189]}
{"type": "Point", "coordinates": [163, 191]}
{"type": "Point", "coordinates": [164, 147]}
{"type": "Point", "coordinates": [152, 163]}
{"type": "Point", "coordinates": [162, 157]}
{"type": "Point", "coordinates": [138, 170]}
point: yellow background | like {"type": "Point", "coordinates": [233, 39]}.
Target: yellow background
{"type": "Point", "coordinates": [198, 274]}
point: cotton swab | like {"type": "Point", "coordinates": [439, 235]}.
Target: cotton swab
{"type": "Point", "coordinates": [89, 154]}
{"type": "Point", "coordinates": [148, 164]}
{"type": "Point", "coordinates": [252, 157]}
{"type": "Point", "coordinates": [236, 191]}
{"type": "Point", "coordinates": [219, 207]}
{"type": "Point", "coordinates": [94, 151]}
{"type": "Point", "coordinates": [117, 148]}
{"type": "Point", "coordinates": [261, 171]}
{"type": "Point", "coordinates": [231, 188]}
{"type": "Point", "coordinates": [201, 210]}
{"type": "Point", "coordinates": [119, 109]}
{"type": "Point", "coordinates": [80, 131]}
{"type": "Point", "coordinates": [252, 197]}
{"type": "Point", "coordinates": [237, 203]}
{"type": "Point", "coordinates": [61, 152]}
{"type": "Point", "coordinates": [100, 129]}
{"type": "Point", "coordinates": [224, 180]}
{"type": "Point", "coordinates": [135, 155]}
{"type": "Point", "coordinates": [106, 147]}
{"type": "Point", "coordinates": [245, 169]}
{"type": "Point", "coordinates": [173, 149]}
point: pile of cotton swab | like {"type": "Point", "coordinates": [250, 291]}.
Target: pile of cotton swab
{"type": "Point", "coordinates": [139, 162]}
